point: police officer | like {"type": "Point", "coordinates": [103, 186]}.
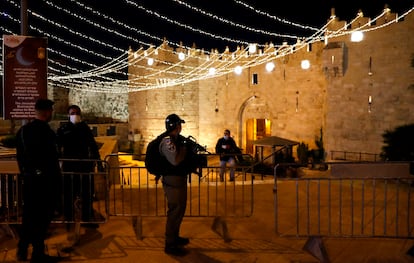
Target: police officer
{"type": "Point", "coordinates": [173, 146]}
{"type": "Point", "coordinates": [37, 158]}
{"type": "Point", "coordinates": [76, 141]}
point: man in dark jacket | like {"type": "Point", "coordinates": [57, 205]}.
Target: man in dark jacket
{"type": "Point", "coordinates": [76, 141]}
{"type": "Point", "coordinates": [38, 162]}
{"type": "Point", "coordinates": [227, 148]}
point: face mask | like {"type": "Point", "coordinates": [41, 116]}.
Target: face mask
{"type": "Point", "coordinates": [226, 137]}
{"type": "Point", "coordinates": [74, 118]}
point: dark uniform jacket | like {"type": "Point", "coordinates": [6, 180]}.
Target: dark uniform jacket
{"type": "Point", "coordinates": [37, 158]}
{"type": "Point", "coordinates": [36, 150]}
{"type": "Point", "coordinates": [76, 141]}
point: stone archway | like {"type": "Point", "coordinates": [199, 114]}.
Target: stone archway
{"type": "Point", "coordinates": [253, 112]}
{"type": "Point", "coordinates": [240, 119]}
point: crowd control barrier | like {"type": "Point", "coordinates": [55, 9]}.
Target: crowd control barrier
{"type": "Point", "coordinates": [135, 193]}
{"type": "Point", "coordinates": [354, 200]}
{"type": "Point", "coordinates": [93, 184]}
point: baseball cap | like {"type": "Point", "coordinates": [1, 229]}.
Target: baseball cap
{"type": "Point", "coordinates": [172, 121]}
{"type": "Point", "coordinates": [44, 104]}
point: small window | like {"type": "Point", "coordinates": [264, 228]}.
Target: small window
{"type": "Point", "coordinates": [255, 79]}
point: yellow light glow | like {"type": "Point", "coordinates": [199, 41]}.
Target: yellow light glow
{"type": "Point", "coordinates": [270, 66]}
{"type": "Point", "coordinates": [252, 48]}
{"type": "Point", "coordinates": [305, 64]}
{"type": "Point", "coordinates": [357, 36]}
{"type": "Point", "coordinates": [238, 70]}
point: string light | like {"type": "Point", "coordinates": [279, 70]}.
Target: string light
{"type": "Point", "coordinates": [156, 14]}
{"type": "Point", "coordinates": [270, 66]}
{"type": "Point", "coordinates": [357, 36]}
{"type": "Point", "coordinates": [238, 70]}
{"type": "Point", "coordinates": [98, 78]}
{"type": "Point", "coordinates": [239, 26]}
{"type": "Point", "coordinates": [274, 17]}
{"type": "Point", "coordinates": [181, 56]}
{"type": "Point", "coordinates": [305, 64]}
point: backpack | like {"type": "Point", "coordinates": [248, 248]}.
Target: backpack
{"type": "Point", "coordinates": [155, 163]}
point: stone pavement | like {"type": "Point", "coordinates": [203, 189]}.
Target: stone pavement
{"type": "Point", "coordinates": [253, 240]}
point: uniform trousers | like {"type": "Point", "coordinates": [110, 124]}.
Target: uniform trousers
{"type": "Point", "coordinates": [38, 207]}
{"type": "Point", "coordinates": [175, 189]}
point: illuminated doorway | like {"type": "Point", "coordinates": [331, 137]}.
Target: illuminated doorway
{"type": "Point", "coordinates": [256, 129]}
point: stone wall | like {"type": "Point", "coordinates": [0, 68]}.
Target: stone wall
{"type": "Point", "coordinates": [331, 95]}
{"type": "Point", "coordinates": [149, 108]}
{"type": "Point", "coordinates": [101, 105]}
{"type": "Point", "coordinates": [380, 67]}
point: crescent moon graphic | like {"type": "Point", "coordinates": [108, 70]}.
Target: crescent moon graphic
{"type": "Point", "coordinates": [21, 59]}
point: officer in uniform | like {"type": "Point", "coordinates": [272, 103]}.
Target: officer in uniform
{"type": "Point", "coordinates": [174, 182]}
{"type": "Point", "coordinates": [38, 162]}
{"type": "Point", "coordinates": [76, 141]}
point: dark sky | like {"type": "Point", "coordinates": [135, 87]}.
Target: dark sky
{"type": "Point", "coordinates": [125, 20]}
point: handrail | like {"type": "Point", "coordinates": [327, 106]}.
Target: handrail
{"type": "Point", "coordinates": [358, 156]}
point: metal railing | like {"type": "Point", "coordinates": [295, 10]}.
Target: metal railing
{"type": "Point", "coordinates": [135, 193]}
{"type": "Point", "coordinates": [371, 205]}
{"type": "Point", "coordinates": [138, 194]}
{"type": "Point", "coordinates": [87, 207]}
{"type": "Point", "coordinates": [355, 156]}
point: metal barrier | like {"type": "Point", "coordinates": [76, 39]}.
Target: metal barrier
{"type": "Point", "coordinates": [135, 193]}
{"type": "Point", "coordinates": [355, 156]}
{"type": "Point", "coordinates": [128, 190]}
{"type": "Point", "coordinates": [92, 188]}
{"type": "Point", "coordinates": [346, 206]}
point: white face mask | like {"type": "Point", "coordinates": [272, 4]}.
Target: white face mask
{"type": "Point", "coordinates": [226, 137]}
{"type": "Point", "coordinates": [75, 118]}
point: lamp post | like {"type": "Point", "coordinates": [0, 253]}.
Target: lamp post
{"type": "Point", "coordinates": [23, 18]}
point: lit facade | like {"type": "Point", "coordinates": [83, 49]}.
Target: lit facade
{"type": "Point", "coordinates": [353, 91]}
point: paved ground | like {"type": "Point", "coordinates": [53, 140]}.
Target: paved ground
{"type": "Point", "coordinates": [253, 239]}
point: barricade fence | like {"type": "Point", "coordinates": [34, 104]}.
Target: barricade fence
{"type": "Point", "coordinates": [360, 202]}
{"type": "Point", "coordinates": [354, 199]}
{"type": "Point", "coordinates": [10, 198]}
{"type": "Point", "coordinates": [128, 190]}
{"type": "Point", "coordinates": [135, 192]}
{"type": "Point", "coordinates": [83, 195]}
{"type": "Point", "coordinates": [345, 206]}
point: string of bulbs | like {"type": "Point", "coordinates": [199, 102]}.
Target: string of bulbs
{"type": "Point", "coordinates": [212, 64]}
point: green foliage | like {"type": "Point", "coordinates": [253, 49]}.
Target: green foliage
{"type": "Point", "coordinates": [9, 141]}
{"type": "Point", "coordinates": [399, 144]}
